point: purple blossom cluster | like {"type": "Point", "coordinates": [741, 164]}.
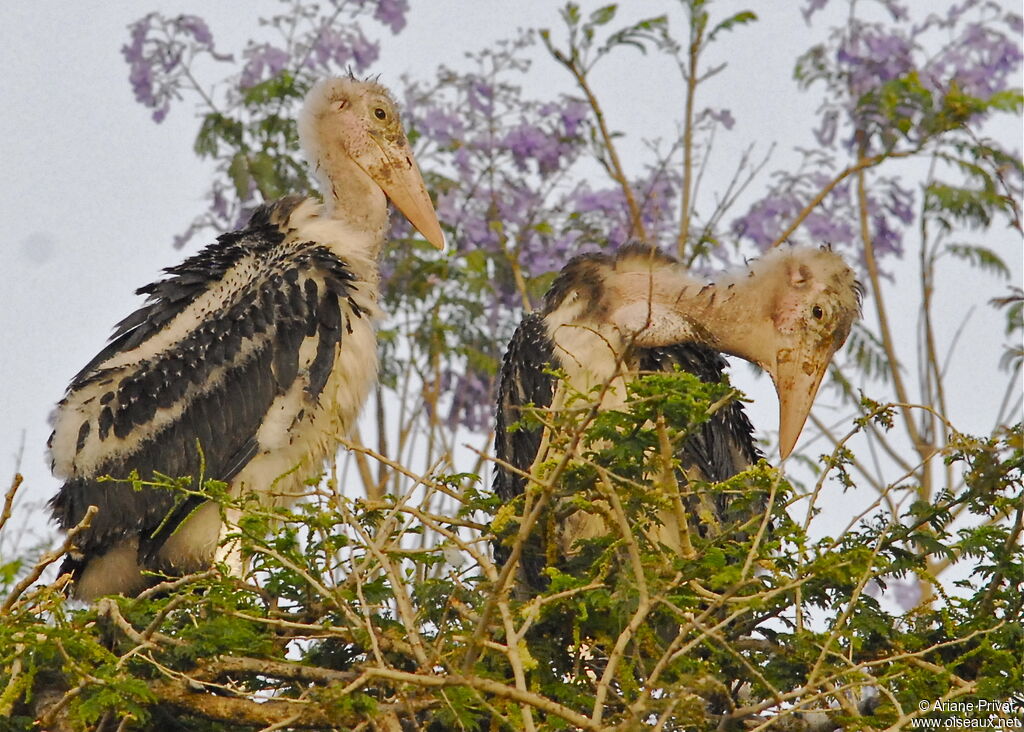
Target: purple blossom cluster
{"type": "Point", "coordinates": [159, 54]}
{"type": "Point", "coordinates": [890, 208]}
{"type": "Point", "coordinates": [328, 48]}
{"type": "Point", "coordinates": [311, 40]}
{"type": "Point", "coordinates": [981, 60]}
{"type": "Point", "coordinates": [979, 55]}
{"type": "Point", "coordinates": [870, 54]}
{"type": "Point", "coordinates": [392, 13]}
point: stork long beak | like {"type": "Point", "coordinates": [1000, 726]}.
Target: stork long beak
{"type": "Point", "coordinates": [391, 165]}
{"type": "Point", "coordinates": [797, 375]}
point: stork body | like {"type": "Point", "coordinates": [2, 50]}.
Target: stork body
{"type": "Point", "coordinates": [246, 364]}
{"type": "Point", "coordinates": [608, 318]}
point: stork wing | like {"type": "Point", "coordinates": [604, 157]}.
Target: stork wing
{"type": "Point", "coordinates": [187, 381]}
{"type": "Point", "coordinates": [715, 451]}
{"type": "Point", "coordinates": [522, 382]}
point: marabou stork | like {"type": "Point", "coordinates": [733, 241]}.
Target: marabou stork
{"type": "Point", "coordinates": [607, 318]}
{"type": "Point", "coordinates": [246, 363]}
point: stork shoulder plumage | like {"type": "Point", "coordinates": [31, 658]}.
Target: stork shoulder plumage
{"type": "Point", "coordinates": [248, 361]}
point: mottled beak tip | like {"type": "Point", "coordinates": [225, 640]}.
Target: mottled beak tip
{"type": "Point", "coordinates": [797, 378]}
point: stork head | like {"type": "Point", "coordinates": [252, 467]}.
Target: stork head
{"type": "Point", "coordinates": [789, 312]}
{"type": "Point", "coordinates": [345, 121]}
{"type": "Point", "coordinates": [807, 301]}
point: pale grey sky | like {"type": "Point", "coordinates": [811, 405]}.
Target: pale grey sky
{"type": "Point", "coordinates": [94, 191]}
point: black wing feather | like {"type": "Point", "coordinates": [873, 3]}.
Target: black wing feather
{"type": "Point", "coordinates": [720, 448]}
{"type": "Point", "coordinates": [239, 359]}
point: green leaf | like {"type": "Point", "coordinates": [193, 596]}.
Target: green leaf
{"type": "Point", "coordinates": [742, 18]}
{"type": "Point", "coordinates": [263, 168]}
{"type": "Point", "coordinates": [981, 257]}
{"type": "Point", "coordinates": [238, 171]}
{"type": "Point", "coordinates": [601, 16]}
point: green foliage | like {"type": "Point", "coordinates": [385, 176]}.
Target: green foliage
{"type": "Point", "coordinates": [348, 615]}
{"type": "Point", "coordinates": [696, 605]}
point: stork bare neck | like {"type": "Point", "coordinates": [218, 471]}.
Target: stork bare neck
{"type": "Point", "coordinates": [788, 312]}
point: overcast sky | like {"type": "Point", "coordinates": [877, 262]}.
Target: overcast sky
{"type": "Point", "coordinates": [93, 191]}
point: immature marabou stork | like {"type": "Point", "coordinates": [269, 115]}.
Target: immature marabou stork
{"type": "Point", "coordinates": [606, 318]}
{"type": "Point", "coordinates": [247, 362]}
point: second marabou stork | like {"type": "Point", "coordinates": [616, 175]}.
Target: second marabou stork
{"type": "Point", "coordinates": [607, 318]}
{"type": "Point", "coordinates": [248, 361]}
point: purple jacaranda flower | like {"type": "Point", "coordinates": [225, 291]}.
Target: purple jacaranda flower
{"type": "Point", "coordinates": [981, 61]}
{"type": "Point", "coordinates": [141, 78]}
{"type": "Point", "coordinates": [767, 218]}
{"type": "Point", "coordinates": [906, 592]}
{"type": "Point", "coordinates": [158, 54]}
{"type": "Point", "coordinates": [826, 228]}
{"type": "Point", "coordinates": [462, 159]}
{"type": "Point", "coordinates": [480, 96]}
{"type": "Point", "coordinates": [132, 52]}
{"type": "Point", "coordinates": [392, 13]}
{"type": "Point", "coordinates": [263, 61]}
{"type": "Point", "coordinates": [573, 114]}
{"type": "Point", "coordinates": [811, 7]}
{"type": "Point", "coordinates": [722, 116]}
{"type": "Point", "coordinates": [441, 125]}
{"type": "Point", "coordinates": [528, 142]}
{"type": "Point", "coordinates": [196, 27]}
{"type": "Point", "coordinates": [870, 56]}
{"type": "Point", "coordinates": [899, 201]}
{"type": "Point", "coordinates": [364, 51]}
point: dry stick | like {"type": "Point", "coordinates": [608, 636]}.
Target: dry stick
{"type": "Point", "coordinates": [172, 585]}
{"type": "Point", "coordinates": [108, 607]}
{"type": "Point", "coordinates": [374, 491]}
{"type": "Point", "coordinates": [678, 646]}
{"type": "Point", "coordinates": [845, 615]}
{"type": "Point", "coordinates": [714, 635]}
{"type": "Point", "coordinates": [862, 164]}
{"type": "Point", "coordinates": [516, 661]}
{"type": "Point", "coordinates": [398, 467]}
{"type": "Point", "coordinates": [241, 711]}
{"type": "Point", "coordinates": [836, 676]}
{"type": "Point", "coordinates": [402, 600]}
{"type": "Point", "coordinates": [47, 559]}
{"type": "Point", "coordinates": [825, 430]}
{"type": "Point", "coordinates": [545, 489]}
{"type": "Point", "coordinates": [762, 528]}
{"type": "Point", "coordinates": [883, 320]}
{"type": "Point", "coordinates": [644, 602]}
{"type": "Point", "coordinates": [890, 451]}
{"type": "Point", "coordinates": [636, 221]}
{"type": "Point", "coordinates": [489, 686]}
{"type": "Point", "coordinates": [925, 449]}
{"type": "Point", "coordinates": [367, 619]}
{"type": "Point", "coordinates": [733, 190]}
{"type": "Point", "coordinates": [5, 515]}
{"type": "Point", "coordinates": [697, 32]}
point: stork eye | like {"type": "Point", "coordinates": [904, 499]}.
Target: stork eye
{"type": "Point", "coordinates": [817, 312]}
{"type": "Point", "coordinates": [379, 113]}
